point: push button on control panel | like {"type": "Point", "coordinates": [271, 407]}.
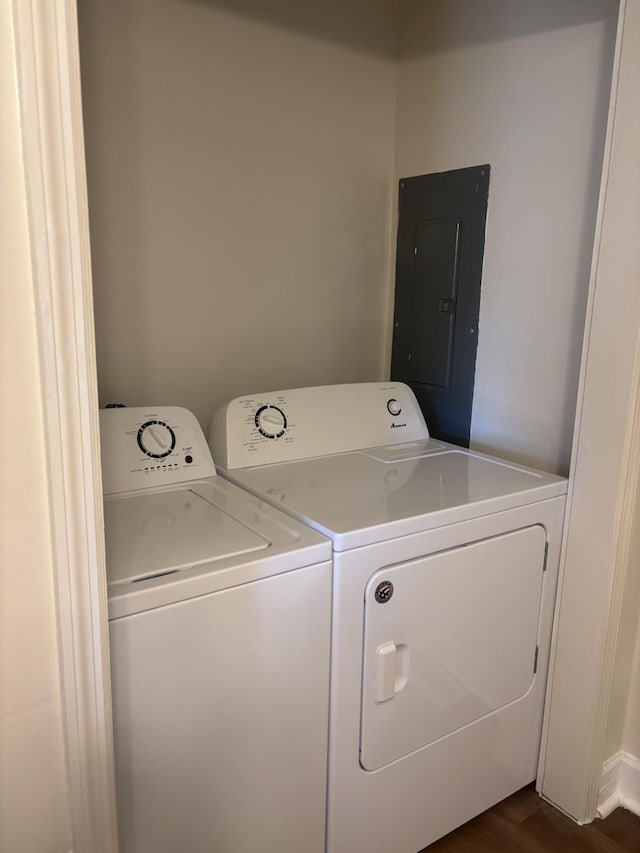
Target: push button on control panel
{"type": "Point", "coordinates": [393, 407]}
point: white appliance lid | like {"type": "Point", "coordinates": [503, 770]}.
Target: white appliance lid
{"type": "Point", "coordinates": [359, 498]}
{"type": "Point", "coordinates": [154, 533]}
{"type": "Point", "coordinates": [179, 542]}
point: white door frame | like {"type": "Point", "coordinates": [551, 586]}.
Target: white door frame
{"type": "Point", "coordinates": [605, 463]}
{"type": "Point", "coordinates": [46, 37]}
{"type": "Point", "coordinates": [606, 455]}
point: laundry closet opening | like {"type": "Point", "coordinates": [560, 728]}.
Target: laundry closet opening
{"type": "Point", "coordinates": [243, 159]}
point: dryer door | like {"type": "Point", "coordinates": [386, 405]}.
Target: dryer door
{"type": "Point", "coordinates": [448, 639]}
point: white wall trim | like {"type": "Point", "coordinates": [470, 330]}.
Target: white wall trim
{"type": "Point", "coordinates": [605, 469]}
{"type": "Point", "coordinates": [51, 117]}
{"type": "Point", "coordinates": [625, 522]}
{"type": "Point", "coordinates": [619, 784]}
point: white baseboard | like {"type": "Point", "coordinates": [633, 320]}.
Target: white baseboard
{"type": "Point", "coordinates": [619, 784]}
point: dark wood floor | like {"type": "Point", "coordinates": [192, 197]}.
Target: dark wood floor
{"type": "Point", "coordinates": [525, 823]}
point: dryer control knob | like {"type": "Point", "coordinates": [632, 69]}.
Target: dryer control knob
{"type": "Point", "coordinates": [393, 407]}
{"type": "Point", "coordinates": [271, 422]}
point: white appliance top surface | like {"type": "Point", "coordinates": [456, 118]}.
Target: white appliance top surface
{"type": "Point", "coordinates": [167, 531]}
{"type": "Point", "coordinates": [368, 496]}
{"type": "Point", "coordinates": [169, 544]}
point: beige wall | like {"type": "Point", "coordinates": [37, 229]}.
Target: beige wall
{"type": "Point", "coordinates": [33, 806]}
{"type": "Point", "coordinates": [239, 159]}
{"type": "Point", "coordinates": [524, 87]}
{"type": "Point", "coordinates": [240, 183]}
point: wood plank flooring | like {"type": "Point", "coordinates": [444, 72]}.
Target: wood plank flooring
{"type": "Point", "coordinates": [525, 823]}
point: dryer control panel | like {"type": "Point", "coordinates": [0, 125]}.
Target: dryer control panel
{"type": "Point", "coordinates": [143, 447]}
{"type": "Point", "coordinates": [302, 423]}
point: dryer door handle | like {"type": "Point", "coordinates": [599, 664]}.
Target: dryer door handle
{"type": "Point", "coordinates": [392, 670]}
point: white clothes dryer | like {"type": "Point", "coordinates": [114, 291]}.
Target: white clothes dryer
{"type": "Point", "coordinates": [219, 611]}
{"type": "Point", "coordinates": [444, 576]}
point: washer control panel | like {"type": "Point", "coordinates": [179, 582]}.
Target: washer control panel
{"type": "Point", "coordinates": [143, 447]}
{"type": "Point", "coordinates": [301, 423]}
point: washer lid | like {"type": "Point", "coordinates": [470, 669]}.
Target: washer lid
{"type": "Point", "coordinates": [360, 498]}
{"type": "Point", "coordinates": [157, 533]}
{"type": "Point", "coordinates": [176, 543]}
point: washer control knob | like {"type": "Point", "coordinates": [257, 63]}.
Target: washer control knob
{"type": "Point", "coordinates": [393, 407]}
{"type": "Point", "coordinates": [156, 439]}
{"type": "Point", "coordinates": [271, 422]}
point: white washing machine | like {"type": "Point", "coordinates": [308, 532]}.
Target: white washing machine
{"type": "Point", "coordinates": [219, 611]}
{"type": "Point", "coordinates": [444, 577]}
